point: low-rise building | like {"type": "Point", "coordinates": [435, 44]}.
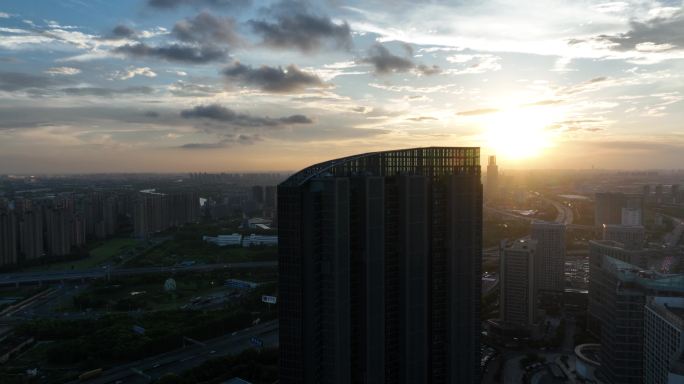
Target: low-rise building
{"type": "Point", "coordinates": [260, 240]}
{"type": "Point", "coordinates": [224, 240]}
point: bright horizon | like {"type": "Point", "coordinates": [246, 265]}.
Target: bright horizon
{"type": "Point", "coordinates": [251, 86]}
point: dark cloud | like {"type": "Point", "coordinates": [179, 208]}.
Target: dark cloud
{"type": "Point", "coordinates": [220, 144]}
{"type": "Point", "coordinates": [106, 92]}
{"type": "Point", "coordinates": [386, 62]}
{"type": "Point", "coordinates": [229, 139]}
{"type": "Point", "coordinates": [205, 28]}
{"type": "Point", "coordinates": [176, 52]}
{"type": "Point", "coordinates": [151, 114]}
{"type": "Point", "coordinates": [428, 70]}
{"type": "Point", "coordinates": [302, 31]}
{"type": "Point", "coordinates": [217, 113]}
{"type": "Point", "coordinates": [123, 31]}
{"type": "Point", "coordinates": [658, 31]}
{"type": "Point", "coordinates": [170, 4]}
{"type": "Point", "coordinates": [17, 81]}
{"type": "Point", "coordinates": [657, 34]}
{"type": "Point", "coordinates": [273, 79]}
{"type": "Point", "coordinates": [475, 112]}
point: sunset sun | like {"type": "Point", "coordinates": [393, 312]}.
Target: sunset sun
{"type": "Point", "coordinates": [519, 133]}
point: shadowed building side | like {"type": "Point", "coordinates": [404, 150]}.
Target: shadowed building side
{"type": "Point", "coordinates": [379, 263]}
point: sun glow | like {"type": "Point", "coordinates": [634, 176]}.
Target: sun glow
{"type": "Point", "coordinates": [520, 133]}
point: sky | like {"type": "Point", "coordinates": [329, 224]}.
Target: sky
{"type": "Point", "coordinates": [249, 85]}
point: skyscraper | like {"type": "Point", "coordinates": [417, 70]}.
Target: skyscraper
{"type": "Point", "coordinates": [380, 258]}
{"type": "Point", "coordinates": [663, 337]}
{"type": "Point", "coordinates": [492, 176]}
{"type": "Point", "coordinates": [518, 298]}
{"type": "Point", "coordinates": [618, 291]}
{"type": "Point", "coordinates": [549, 271]}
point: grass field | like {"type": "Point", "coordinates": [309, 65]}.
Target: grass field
{"type": "Point", "coordinates": [98, 255]}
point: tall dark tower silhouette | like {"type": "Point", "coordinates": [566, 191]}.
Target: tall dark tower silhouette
{"type": "Point", "coordinates": [492, 176]}
{"type": "Point", "coordinates": [380, 263]}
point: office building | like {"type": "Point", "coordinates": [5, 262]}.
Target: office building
{"type": "Point", "coordinates": [518, 298]}
{"type": "Point", "coordinates": [631, 237]}
{"type": "Point", "coordinates": [492, 176]}
{"type": "Point", "coordinates": [549, 258]}
{"type": "Point", "coordinates": [631, 216]}
{"type": "Point", "coordinates": [609, 205]}
{"type": "Point", "coordinates": [379, 269]}
{"type": "Point", "coordinates": [663, 337]}
{"type": "Point", "coordinates": [618, 291]}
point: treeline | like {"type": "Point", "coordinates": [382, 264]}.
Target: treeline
{"type": "Point", "coordinates": [111, 339]}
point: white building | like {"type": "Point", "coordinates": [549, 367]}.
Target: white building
{"type": "Point", "coordinates": [257, 240]}
{"type": "Point", "coordinates": [549, 267]}
{"type": "Point", "coordinates": [224, 240]}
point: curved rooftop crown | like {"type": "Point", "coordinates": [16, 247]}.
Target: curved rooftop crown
{"type": "Point", "coordinates": [428, 161]}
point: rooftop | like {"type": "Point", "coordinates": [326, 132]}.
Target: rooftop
{"type": "Point", "coordinates": [427, 161]}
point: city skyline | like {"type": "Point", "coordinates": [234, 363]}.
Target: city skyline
{"type": "Point", "coordinates": [210, 85]}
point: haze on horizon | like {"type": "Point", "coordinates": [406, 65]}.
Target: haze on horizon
{"type": "Point", "coordinates": [249, 85]}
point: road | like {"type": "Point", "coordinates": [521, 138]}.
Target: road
{"type": "Point", "coordinates": [565, 214]}
{"type": "Point", "coordinates": [186, 358]}
{"type": "Point", "coordinates": [51, 276]}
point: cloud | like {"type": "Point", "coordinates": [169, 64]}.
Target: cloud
{"type": "Point", "coordinates": [123, 31]}
{"type": "Point", "coordinates": [170, 4]}
{"type": "Point", "coordinates": [106, 92]}
{"type": "Point", "coordinates": [131, 72]}
{"type": "Point", "coordinates": [385, 62]}
{"type": "Point", "coordinates": [303, 31]}
{"type": "Point", "coordinates": [205, 27]}
{"type": "Point", "coordinates": [4, 15]}
{"type": "Point", "coordinates": [466, 64]}
{"type": "Point", "coordinates": [274, 79]}
{"type": "Point", "coordinates": [243, 139]}
{"type": "Point", "coordinates": [428, 70]}
{"type": "Point", "coordinates": [422, 118]}
{"type": "Point", "coordinates": [658, 34]}
{"type": "Point", "coordinates": [175, 52]}
{"type": "Point", "coordinates": [16, 81]}
{"type": "Point", "coordinates": [475, 112]}
{"type": "Point", "coordinates": [543, 102]}
{"type": "Point", "coordinates": [218, 113]}
{"type": "Point", "coordinates": [220, 144]}
{"type": "Point", "coordinates": [185, 89]}
{"type": "Point", "coordinates": [151, 114]}
{"type": "Point", "coordinates": [68, 71]}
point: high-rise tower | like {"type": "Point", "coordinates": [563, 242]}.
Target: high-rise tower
{"type": "Point", "coordinates": [380, 258]}
{"type": "Point", "coordinates": [492, 176]}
